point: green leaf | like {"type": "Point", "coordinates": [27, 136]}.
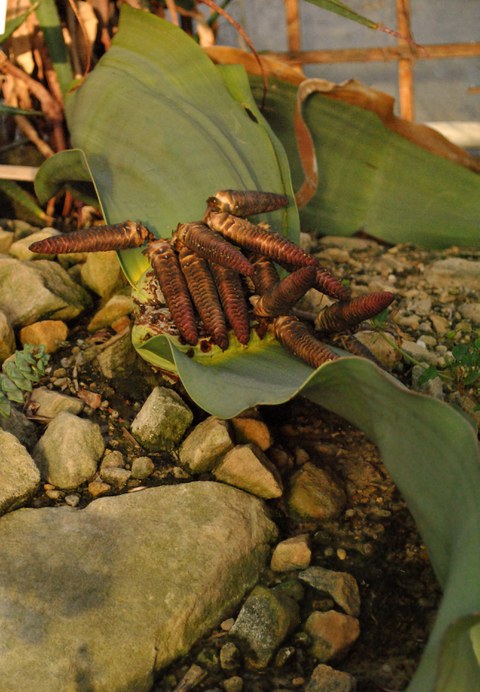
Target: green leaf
{"type": "Point", "coordinates": [11, 110]}
{"type": "Point", "coordinates": [50, 24]}
{"type": "Point", "coordinates": [429, 449]}
{"type": "Point", "coordinates": [5, 406]}
{"type": "Point", "coordinates": [342, 9]}
{"type": "Point", "coordinates": [371, 178]}
{"type": "Point", "coordinates": [159, 133]}
{"type": "Point", "coordinates": [66, 170]}
{"type": "Point", "coordinates": [460, 661]}
{"type": "Point", "coordinates": [158, 89]}
{"type": "Point", "coordinates": [10, 389]}
{"type": "Point", "coordinates": [23, 199]}
{"type": "Point", "coordinates": [428, 374]}
{"type": "Point", "coordinates": [19, 380]}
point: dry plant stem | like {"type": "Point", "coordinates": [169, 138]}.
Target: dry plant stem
{"type": "Point", "coordinates": [405, 65]}
{"type": "Point", "coordinates": [173, 12]}
{"type": "Point", "coordinates": [49, 106]}
{"type": "Point", "coordinates": [67, 204]}
{"type": "Point", "coordinates": [384, 54]}
{"type": "Point", "coordinates": [97, 239]}
{"type": "Point", "coordinates": [174, 288]}
{"type": "Point", "coordinates": [281, 298]}
{"type": "Point", "coordinates": [202, 288]}
{"type": "Point", "coordinates": [232, 296]}
{"type": "Point", "coordinates": [72, 44]}
{"type": "Point", "coordinates": [298, 339]}
{"type": "Point", "coordinates": [27, 129]}
{"type": "Point", "coordinates": [306, 148]}
{"type": "Point", "coordinates": [16, 94]}
{"type": "Point", "coordinates": [246, 203]}
{"type": "Point", "coordinates": [211, 246]}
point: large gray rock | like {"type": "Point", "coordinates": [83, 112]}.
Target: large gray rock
{"type": "Point", "coordinates": [102, 598]}
{"type": "Point", "coordinates": [32, 291]}
{"type": "Point", "coordinates": [68, 452]}
{"type": "Point", "coordinates": [19, 474]}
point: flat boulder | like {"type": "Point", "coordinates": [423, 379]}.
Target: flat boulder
{"type": "Point", "coordinates": [105, 597]}
{"type": "Point", "coordinates": [32, 291]}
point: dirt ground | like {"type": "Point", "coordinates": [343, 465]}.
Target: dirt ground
{"type": "Point", "coordinates": [375, 539]}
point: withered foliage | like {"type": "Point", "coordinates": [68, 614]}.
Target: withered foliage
{"type": "Point", "coordinates": [208, 284]}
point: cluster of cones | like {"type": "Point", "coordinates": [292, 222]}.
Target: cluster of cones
{"type": "Point", "coordinates": [221, 272]}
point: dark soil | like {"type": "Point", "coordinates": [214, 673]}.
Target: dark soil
{"type": "Point", "coordinates": [375, 539]}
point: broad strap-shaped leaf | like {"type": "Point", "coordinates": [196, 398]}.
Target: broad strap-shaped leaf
{"type": "Point", "coordinates": [51, 25]}
{"type": "Point", "coordinates": [459, 659]}
{"type": "Point", "coordinates": [429, 449]}
{"type": "Point", "coordinates": [160, 132]}
{"type": "Point", "coordinates": [66, 170]}
{"type": "Point", "coordinates": [372, 179]}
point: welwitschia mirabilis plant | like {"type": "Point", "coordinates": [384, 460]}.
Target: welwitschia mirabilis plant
{"type": "Point", "coordinates": [188, 129]}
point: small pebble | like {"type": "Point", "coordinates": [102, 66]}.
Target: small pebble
{"type": "Point", "coordinates": [116, 477]}
{"type": "Point", "coordinates": [227, 625]}
{"type": "Point", "coordinates": [142, 467]}
{"type": "Point", "coordinates": [96, 488]}
{"type": "Point", "coordinates": [298, 681]}
{"type": "Point", "coordinates": [72, 500]}
{"type": "Point", "coordinates": [112, 459]}
{"type": "Point", "coordinates": [324, 679]}
{"type": "Point", "coordinates": [233, 684]}
{"type": "Point", "coordinates": [292, 553]}
{"type": "Point", "coordinates": [54, 494]}
{"type": "Point", "coordinates": [92, 399]}
{"type": "Point", "coordinates": [283, 655]}
{"type": "Point", "coordinates": [229, 656]}
{"type": "Point", "coordinates": [179, 473]}
{"type": "Point", "coordinates": [191, 679]}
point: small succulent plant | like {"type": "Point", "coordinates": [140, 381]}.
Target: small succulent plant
{"type": "Point", "coordinates": [19, 373]}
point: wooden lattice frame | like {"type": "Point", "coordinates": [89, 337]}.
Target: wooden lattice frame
{"type": "Point", "coordinates": [404, 53]}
